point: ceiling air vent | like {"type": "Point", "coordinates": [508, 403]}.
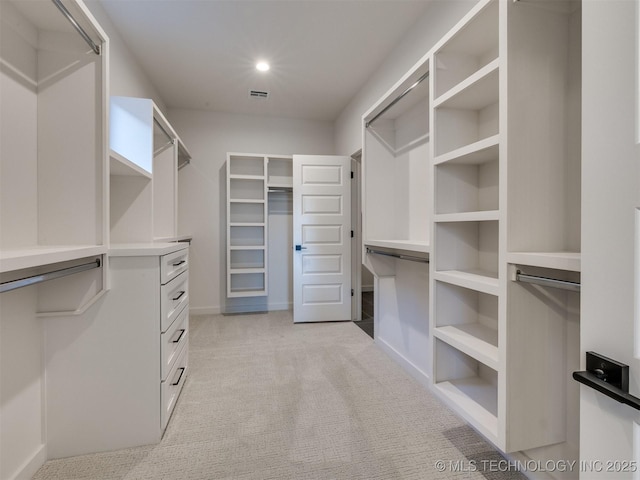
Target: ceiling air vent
{"type": "Point", "coordinates": [261, 94]}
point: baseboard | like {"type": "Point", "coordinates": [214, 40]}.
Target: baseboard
{"type": "Point", "coordinates": [204, 310]}
{"type": "Point", "coordinates": [279, 306]}
{"type": "Point", "coordinates": [407, 365]}
{"type": "Point", "coordinates": [31, 466]}
{"type": "Point", "coordinates": [239, 309]}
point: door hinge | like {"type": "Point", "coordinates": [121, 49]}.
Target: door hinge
{"type": "Point", "coordinates": [351, 233]}
{"type": "Point", "coordinates": [351, 174]}
{"type": "Point", "coordinates": [352, 292]}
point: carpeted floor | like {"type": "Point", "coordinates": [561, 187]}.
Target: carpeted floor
{"type": "Point", "coordinates": [266, 399]}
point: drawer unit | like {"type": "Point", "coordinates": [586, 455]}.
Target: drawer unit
{"type": "Point", "coordinates": [172, 341]}
{"type": "Point", "coordinates": [173, 298]}
{"type": "Point", "coordinates": [172, 265]}
{"type": "Point", "coordinates": [172, 386]}
{"type": "Point", "coordinates": [149, 302]}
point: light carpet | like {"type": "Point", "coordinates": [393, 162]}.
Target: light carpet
{"type": "Point", "coordinates": [267, 399]}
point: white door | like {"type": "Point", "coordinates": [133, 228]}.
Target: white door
{"type": "Point", "coordinates": [610, 312]}
{"type": "Point", "coordinates": [321, 238]}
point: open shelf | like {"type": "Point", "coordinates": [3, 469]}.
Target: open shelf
{"type": "Point", "coordinates": [468, 247]}
{"type": "Point", "coordinates": [279, 172]}
{"type": "Point", "coordinates": [473, 216]}
{"type": "Point", "coordinates": [28, 257]}
{"type": "Point", "coordinates": [408, 245]}
{"type": "Point", "coordinates": [468, 50]}
{"type": "Point", "coordinates": [475, 93]}
{"type": "Point", "coordinates": [467, 187]}
{"type": "Point", "coordinates": [479, 280]}
{"type": "Point", "coordinates": [246, 259]}
{"type": "Point", "coordinates": [482, 151]}
{"type": "Point", "coordinates": [247, 284]}
{"type": "Point", "coordinates": [242, 212]}
{"type": "Point", "coordinates": [246, 188]}
{"type": "Point", "coordinates": [121, 166]}
{"type": "Point", "coordinates": [469, 386]}
{"type": "Point", "coordinates": [244, 165]}
{"type": "Point", "coordinates": [557, 260]}
{"type": "Point", "coordinates": [468, 320]}
{"type": "Point", "coordinates": [246, 236]}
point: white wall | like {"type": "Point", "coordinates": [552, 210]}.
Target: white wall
{"type": "Point", "coordinates": [126, 78]}
{"type": "Point", "coordinates": [209, 136]}
{"type": "Point", "coordinates": [438, 19]}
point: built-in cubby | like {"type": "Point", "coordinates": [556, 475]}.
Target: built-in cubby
{"type": "Point", "coordinates": [468, 51]}
{"type": "Point", "coordinates": [396, 170]}
{"type": "Point", "coordinates": [279, 172]}
{"type": "Point", "coordinates": [468, 320]}
{"type": "Point", "coordinates": [468, 184]}
{"type": "Point", "coordinates": [470, 386]}
{"type": "Point", "coordinates": [468, 251]}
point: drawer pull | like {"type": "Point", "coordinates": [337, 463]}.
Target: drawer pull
{"type": "Point", "coordinates": [182, 292]}
{"type": "Point", "coordinates": [179, 263]}
{"type": "Point", "coordinates": [182, 330]}
{"type": "Point", "coordinates": [182, 369]}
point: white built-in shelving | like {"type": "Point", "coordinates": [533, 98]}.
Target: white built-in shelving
{"type": "Point", "coordinates": [247, 232]}
{"type": "Point", "coordinates": [507, 197]}
{"type": "Point", "coordinates": [53, 205]}
{"type": "Point", "coordinates": [397, 165]}
{"type": "Point", "coordinates": [145, 156]}
{"type": "Point", "coordinates": [53, 137]}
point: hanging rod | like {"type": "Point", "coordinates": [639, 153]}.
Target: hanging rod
{"type": "Point", "coordinates": [94, 46]}
{"type": "Point", "coordinates": [548, 282]}
{"type": "Point", "coordinates": [398, 98]}
{"type": "Point", "coordinates": [401, 256]}
{"type": "Point", "coordinates": [63, 272]}
{"type": "Point", "coordinates": [171, 139]}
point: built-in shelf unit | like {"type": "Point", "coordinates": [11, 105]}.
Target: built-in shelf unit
{"type": "Point", "coordinates": [396, 168]}
{"type": "Point", "coordinates": [396, 217]}
{"type": "Point", "coordinates": [246, 225]}
{"type": "Point", "coordinates": [145, 156]}
{"type": "Point", "coordinates": [53, 204]}
{"type": "Point", "coordinates": [507, 196]}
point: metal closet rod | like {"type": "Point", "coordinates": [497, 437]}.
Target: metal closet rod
{"type": "Point", "coordinates": [63, 272]}
{"type": "Point", "coordinates": [548, 282]}
{"type": "Point", "coordinates": [411, 258]}
{"type": "Point", "coordinates": [397, 99]}
{"type": "Point", "coordinates": [94, 46]}
{"type": "Point", "coordinates": [171, 139]}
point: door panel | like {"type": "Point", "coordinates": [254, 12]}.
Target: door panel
{"type": "Point", "coordinates": [322, 235]}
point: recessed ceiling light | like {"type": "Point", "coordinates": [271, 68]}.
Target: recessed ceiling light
{"type": "Point", "coordinates": [262, 66]}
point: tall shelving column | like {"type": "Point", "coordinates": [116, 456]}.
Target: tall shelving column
{"type": "Point", "coordinates": [467, 219]}
{"type": "Point", "coordinates": [506, 193]}
{"type": "Point", "coordinates": [246, 225]}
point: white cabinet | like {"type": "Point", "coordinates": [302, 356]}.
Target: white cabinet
{"type": "Point", "coordinates": [507, 196]}
{"type": "Point", "coordinates": [117, 384]}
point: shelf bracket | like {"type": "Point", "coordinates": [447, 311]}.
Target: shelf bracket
{"type": "Point", "coordinates": [608, 377]}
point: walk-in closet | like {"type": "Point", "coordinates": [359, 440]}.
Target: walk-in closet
{"type": "Point", "coordinates": [199, 200]}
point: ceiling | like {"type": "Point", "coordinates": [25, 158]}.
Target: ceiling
{"type": "Point", "coordinates": [201, 54]}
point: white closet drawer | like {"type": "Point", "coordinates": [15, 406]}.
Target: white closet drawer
{"type": "Point", "coordinates": [173, 298]}
{"type": "Point", "coordinates": [173, 265]}
{"type": "Point", "coordinates": [172, 386]}
{"type": "Point", "coordinates": [172, 341]}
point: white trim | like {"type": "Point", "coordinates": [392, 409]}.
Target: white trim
{"type": "Point", "coordinates": [32, 465]}
{"type": "Point", "coordinates": [212, 310]}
